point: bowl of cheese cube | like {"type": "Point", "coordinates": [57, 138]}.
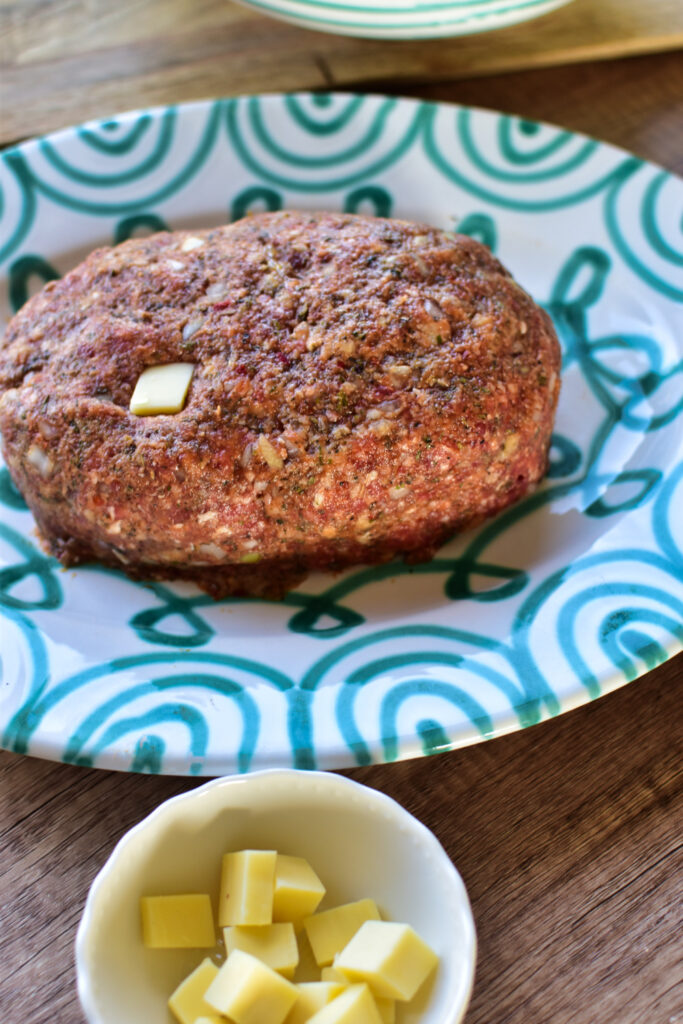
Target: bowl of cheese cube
{"type": "Point", "coordinates": [278, 897]}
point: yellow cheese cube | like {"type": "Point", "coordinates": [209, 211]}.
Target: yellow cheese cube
{"type": "Point", "coordinates": [274, 944]}
{"type": "Point", "coordinates": [187, 1002]}
{"type": "Point", "coordinates": [216, 1019]}
{"type": "Point", "coordinates": [307, 969]}
{"type": "Point", "coordinates": [355, 1005]}
{"type": "Point", "coordinates": [386, 1009]}
{"type": "Point", "coordinates": [249, 992]}
{"type": "Point", "coordinates": [298, 890]}
{"type": "Point", "coordinates": [391, 958]}
{"type": "Point", "coordinates": [247, 886]}
{"type": "Point", "coordinates": [332, 974]}
{"type": "Point", "coordinates": [313, 995]}
{"type": "Point", "coordinates": [330, 930]}
{"type": "Point", "coordinates": [161, 389]}
{"type": "Point", "coordinates": [177, 922]}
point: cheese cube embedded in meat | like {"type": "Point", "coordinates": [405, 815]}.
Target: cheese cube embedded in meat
{"type": "Point", "coordinates": [177, 922]}
{"type": "Point", "coordinates": [247, 887]}
{"type": "Point", "coordinates": [248, 992]}
{"type": "Point", "coordinates": [161, 389]}
{"type": "Point", "coordinates": [330, 930]}
{"type": "Point", "coordinates": [298, 890]}
{"type": "Point", "coordinates": [274, 944]}
{"type": "Point", "coordinates": [354, 1006]}
{"type": "Point", "coordinates": [391, 958]}
{"type": "Point", "coordinates": [312, 996]}
{"type": "Point", "coordinates": [187, 1002]}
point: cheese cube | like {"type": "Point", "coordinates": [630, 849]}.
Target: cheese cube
{"type": "Point", "coordinates": [386, 1009]}
{"type": "Point", "coordinates": [187, 1002]}
{"type": "Point", "coordinates": [177, 922]}
{"type": "Point", "coordinates": [355, 1005]}
{"type": "Point", "coordinates": [298, 890]}
{"type": "Point", "coordinates": [274, 944]}
{"type": "Point", "coordinates": [307, 969]}
{"type": "Point", "coordinates": [391, 958]}
{"type": "Point", "coordinates": [161, 389]}
{"type": "Point", "coordinates": [249, 992]}
{"type": "Point", "coordinates": [332, 974]}
{"type": "Point", "coordinates": [313, 995]}
{"type": "Point", "coordinates": [330, 930]}
{"type": "Point", "coordinates": [247, 886]}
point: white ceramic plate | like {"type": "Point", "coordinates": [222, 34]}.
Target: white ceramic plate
{"type": "Point", "coordinates": [569, 594]}
{"type": "Point", "coordinates": [404, 19]}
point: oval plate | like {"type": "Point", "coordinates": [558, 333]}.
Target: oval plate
{"type": "Point", "coordinates": [573, 592]}
{"type": "Point", "coordinates": [404, 19]}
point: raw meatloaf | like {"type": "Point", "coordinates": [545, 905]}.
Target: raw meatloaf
{"type": "Point", "coordinates": [362, 388]}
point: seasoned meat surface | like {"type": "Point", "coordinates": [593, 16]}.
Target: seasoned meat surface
{"type": "Point", "coordinates": [362, 388]}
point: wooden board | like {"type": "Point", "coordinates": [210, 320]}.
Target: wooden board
{"type": "Point", "coordinates": [65, 61]}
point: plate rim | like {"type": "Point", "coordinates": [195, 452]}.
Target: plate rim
{"type": "Point", "coordinates": [478, 23]}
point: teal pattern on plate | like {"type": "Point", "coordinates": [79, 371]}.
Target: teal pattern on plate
{"type": "Point", "coordinates": [404, 19]}
{"type": "Point", "coordinates": [575, 591]}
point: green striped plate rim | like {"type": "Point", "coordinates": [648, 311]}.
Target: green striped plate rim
{"type": "Point", "coordinates": [408, 20]}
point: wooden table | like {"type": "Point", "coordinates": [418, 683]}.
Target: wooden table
{"type": "Point", "coordinates": [568, 835]}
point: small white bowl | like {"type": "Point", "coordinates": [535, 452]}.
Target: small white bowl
{"type": "Point", "coordinates": [361, 843]}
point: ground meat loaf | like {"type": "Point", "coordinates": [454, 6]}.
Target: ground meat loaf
{"type": "Point", "coordinates": [362, 388]}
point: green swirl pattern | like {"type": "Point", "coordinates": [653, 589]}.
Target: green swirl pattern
{"type": "Point", "coordinates": [574, 591]}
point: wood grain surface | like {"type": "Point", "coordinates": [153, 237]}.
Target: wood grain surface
{"type": "Point", "coordinates": [568, 835]}
{"type": "Point", "coordinates": [65, 61]}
